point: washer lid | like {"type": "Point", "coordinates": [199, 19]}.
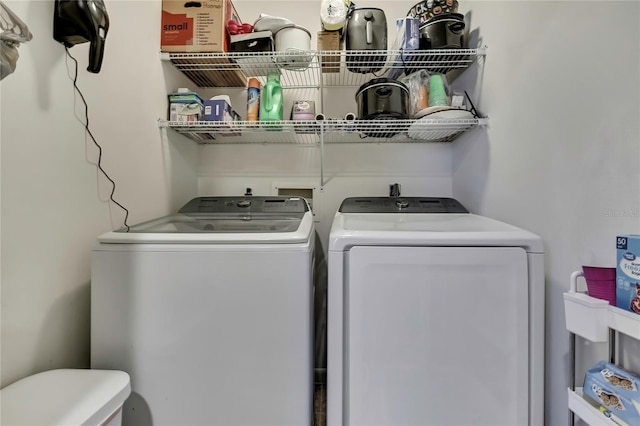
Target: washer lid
{"type": "Point", "coordinates": [288, 206]}
{"type": "Point", "coordinates": [428, 229]}
{"type": "Point", "coordinates": [228, 220]}
{"type": "Point", "coordinates": [65, 397]}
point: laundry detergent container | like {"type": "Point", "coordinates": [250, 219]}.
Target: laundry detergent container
{"type": "Point", "coordinates": [66, 397]}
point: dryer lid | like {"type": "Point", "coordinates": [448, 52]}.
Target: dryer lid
{"type": "Point", "coordinates": [428, 229]}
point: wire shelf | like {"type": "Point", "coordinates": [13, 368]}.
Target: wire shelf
{"type": "Point", "coordinates": [316, 68]}
{"type": "Point", "coordinates": [331, 131]}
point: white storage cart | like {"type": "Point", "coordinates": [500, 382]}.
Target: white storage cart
{"type": "Point", "coordinates": [597, 321]}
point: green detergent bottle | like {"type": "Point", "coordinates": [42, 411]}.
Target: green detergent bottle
{"type": "Point", "coordinates": [271, 102]}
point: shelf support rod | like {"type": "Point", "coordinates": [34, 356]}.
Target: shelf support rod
{"type": "Point", "coordinates": [320, 83]}
{"type": "Point", "coordinates": [612, 346]}
{"type": "Point", "coordinates": [322, 182]}
{"type": "Point", "coordinates": [572, 371]}
{"type": "Point", "coordinates": [321, 96]}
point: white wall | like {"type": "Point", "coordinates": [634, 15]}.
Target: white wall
{"type": "Point", "coordinates": [53, 200]}
{"type": "Point", "coordinates": [356, 170]}
{"type": "Point", "coordinates": [561, 86]}
{"type": "Point", "coordinates": [561, 150]}
{"type": "Point", "coordinates": [349, 170]}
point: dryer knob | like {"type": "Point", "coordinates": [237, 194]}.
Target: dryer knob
{"type": "Point", "coordinates": [244, 203]}
{"type": "Point", "coordinates": [402, 204]}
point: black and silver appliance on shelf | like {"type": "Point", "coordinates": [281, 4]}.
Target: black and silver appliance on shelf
{"type": "Point", "coordinates": [366, 30]}
{"type": "Point", "coordinates": [427, 9]}
{"type": "Point", "coordinates": [443, 32]}
{"type": "Point", "coordinates": [382, 99]}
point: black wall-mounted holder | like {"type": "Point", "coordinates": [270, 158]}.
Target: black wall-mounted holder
{"type": "Point", "coordinates": [81, 21]}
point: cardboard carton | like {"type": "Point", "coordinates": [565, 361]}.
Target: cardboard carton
{"type": "Point", "coordinates": [628, 273]}
{"type": "Point", "coordinates": [330, 41]}
{"type": "Point", "coordinates": [196, 26]}
{"type": "Point", "coordinates": [615, 390]}
{"type": "Point", "coordinates": [220, 110]}
{"type": "Point", "coordinates": [185, 106]}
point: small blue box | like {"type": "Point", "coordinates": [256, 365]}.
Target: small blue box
{"type": "Point", "coordinates": [407, 38]}
{"type": "Point", "coordinates": [628, 273]}
{"type": "Point", "coordinates": [217, 110]}
{"type": "Point", "coordinates": [411, 36]}
{"type": "Point", "coordinates": [220, 110]}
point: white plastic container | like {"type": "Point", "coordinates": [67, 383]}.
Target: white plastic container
{"type": "Point", "coordinates": [586, 316]}
{"type": "Point", "coordinates": [333, 14]}
{"type": "Point", "coordinates": [293, 45]}
{"type": "Point", "coordinates": [66, 397]}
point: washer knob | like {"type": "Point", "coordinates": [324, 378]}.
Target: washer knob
{"type": "Point", "coordinates": [402, 204]}
{"type": "Point", "coordinates": [244, 203]}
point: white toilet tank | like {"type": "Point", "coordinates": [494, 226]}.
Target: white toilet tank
{"type": "Point", "coordinates": [66, 397]}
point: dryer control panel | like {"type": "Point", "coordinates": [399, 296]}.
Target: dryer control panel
{"type": "Point", "coordinates": [401, 205]}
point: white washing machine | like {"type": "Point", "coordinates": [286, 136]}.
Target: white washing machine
{"type": "Point", "coordinates": [435, 316]}
{"type": "Point", "coordinates": [210, 312]}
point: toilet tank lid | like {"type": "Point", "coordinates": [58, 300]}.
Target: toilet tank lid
{"type": "Point", "coordinates": [65, 397]}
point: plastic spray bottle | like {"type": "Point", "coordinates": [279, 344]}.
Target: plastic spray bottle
{"type": "Point", "coordinates": [253, 100]}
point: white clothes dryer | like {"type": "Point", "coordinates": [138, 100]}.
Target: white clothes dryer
{"type": "Point", "coordinates": [435, 316]}
{"type": "Point", "coordinates": [210, 312]}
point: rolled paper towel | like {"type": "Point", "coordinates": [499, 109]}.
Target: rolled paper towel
{"type": "Point", "coordinates": [350, 117]}
{"type": "Point", "coordinates": [333, 14]}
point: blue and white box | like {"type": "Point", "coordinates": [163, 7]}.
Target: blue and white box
{"type": "Point", "coordinates": [628, 273]}
{"type": "Point", "coordinates": [615, 391]}
{"type": "Point", "coordinates": [407, 38]}
{"type": "Point", "coordinates": [219, 109]}
{"type": "Point", "coordinates": [185, 106]}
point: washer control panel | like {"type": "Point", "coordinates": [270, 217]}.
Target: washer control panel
{"type": "Point", "coordinates": [401, 205]}
{"type": "Point", "coordinates": [253, 204]}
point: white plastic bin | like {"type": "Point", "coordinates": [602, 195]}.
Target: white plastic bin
{"type": "Point", "coordinates": [585, 316]}
{"type": "Point", "coordinates": [66, 397]}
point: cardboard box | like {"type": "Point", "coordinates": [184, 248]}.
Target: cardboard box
{"type": "Point", "coordinates": [618, 397]}
{"type": "Point", "coordinates": [241, 49]}
{"type": "Point", "coordinates": [196, 26]}
{"type": "Point", "coordinates": [628, 273]}
{"type": "Point", "coordinates": [185, 106]}
{"type": "Point", "coordinates": [216, 72]}
{"type": "Point", "coordinates": [260, 41]}
{"type": "Point", "coordinates": [304, 111]}
{"type": "Point", "coordinates": [220, 110]}
{"type": "Point", "coordinates": [330, 41]}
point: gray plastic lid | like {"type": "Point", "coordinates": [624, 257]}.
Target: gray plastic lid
{"type": "Point", "coordinates": [65, 397]}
